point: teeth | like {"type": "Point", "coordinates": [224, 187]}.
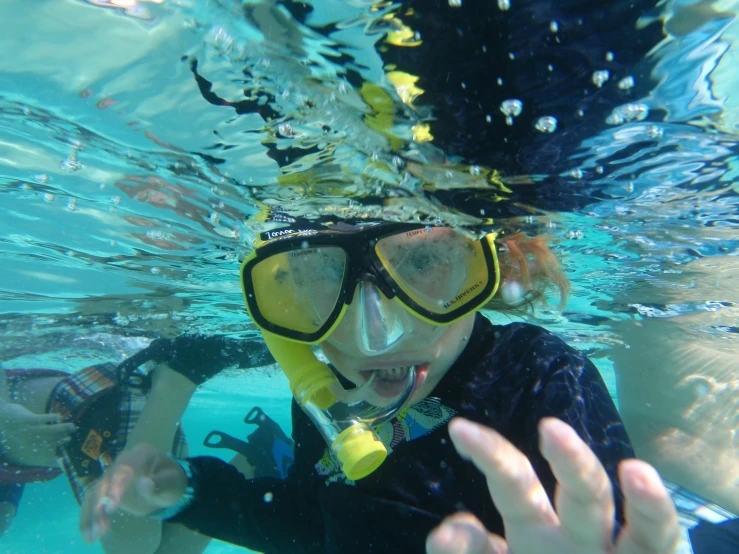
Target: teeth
{"type": "Point", "coordinates": [394, 374]}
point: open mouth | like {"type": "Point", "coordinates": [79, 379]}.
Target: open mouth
{"type": "Point", "coordinates": [390, 383]}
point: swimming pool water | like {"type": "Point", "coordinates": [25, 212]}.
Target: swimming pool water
{"type": "Point", "coordinates": [124, 193]}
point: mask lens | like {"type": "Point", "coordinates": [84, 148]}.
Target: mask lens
{"type": "Point", "coordinates": [440, 269]}
{"type": "Point", "coordinates": [300, 289]}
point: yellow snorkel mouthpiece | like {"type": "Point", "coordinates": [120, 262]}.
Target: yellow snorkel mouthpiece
{"type": "Point", "coordinates": [344, 418]}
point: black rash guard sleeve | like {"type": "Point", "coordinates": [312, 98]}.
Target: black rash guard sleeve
{"type": "Point", "coordinates": [263, 514]}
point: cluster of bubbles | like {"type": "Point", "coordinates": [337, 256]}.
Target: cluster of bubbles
{"type": "Point", "coordinates": [635, 111]}
{"type": "Point", "coordinates": [511, 108]}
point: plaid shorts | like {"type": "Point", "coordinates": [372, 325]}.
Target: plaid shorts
{"type": "Point", "coordinates": [105, 413]}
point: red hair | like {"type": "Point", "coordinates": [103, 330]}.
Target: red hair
{"type": "Point", "coordinates": [531, 264]}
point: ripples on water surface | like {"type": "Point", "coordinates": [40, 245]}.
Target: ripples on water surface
{"type": "Point", "coordinates": [137, 137]}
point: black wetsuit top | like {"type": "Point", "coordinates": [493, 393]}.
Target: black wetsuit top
{"type": "Point", "coordinates": [507, 377]}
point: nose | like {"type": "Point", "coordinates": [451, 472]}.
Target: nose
{"type": "Point", "coordinates": [380, 323]}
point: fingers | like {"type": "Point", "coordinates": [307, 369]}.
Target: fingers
{"type": "Point", "coordinates": [54, 431]}
{"type": "Point", "coordinates": [513, 484]}
{"type": "Point", "coordinates": [463, 533]}
{"type": "Point", "coordinates": [651, 519]}
{"type": "Point", "coordinates": [141, 481]}
{"type": "Point", "coordinates": [54, 435]}
{"type": "Point", "coordinates": [117, 483]}
{"type": "Point", "coordinates": [93, 521]}
{"type": "Point", "coordinates": [44, 419]}
{"type": "Point", "coordinates": [584, 497]}
{"type": "Point", "coordinates": [103, 499]}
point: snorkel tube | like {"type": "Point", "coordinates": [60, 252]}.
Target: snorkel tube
{"type": "Point", "coordinates": [344, 418]}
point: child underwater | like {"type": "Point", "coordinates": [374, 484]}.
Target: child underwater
{"type": "Point", "coordinates": [54, 422]}
{"type": "Point", "coordinates": [377, 468]}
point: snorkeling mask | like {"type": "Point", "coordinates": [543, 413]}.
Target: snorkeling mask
{"type": "Point", "coordinates": [299, 282]}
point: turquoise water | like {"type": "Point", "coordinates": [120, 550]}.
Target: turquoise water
{"type": "Point", "coordinates": [124, 194]}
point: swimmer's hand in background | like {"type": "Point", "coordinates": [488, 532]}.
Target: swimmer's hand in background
{"type": "Point", "coordinates": [141, 481]}
{"type": "Point", "coordinates": [584, 519]}
{"type": "Point", "coordinates": [31, 439]}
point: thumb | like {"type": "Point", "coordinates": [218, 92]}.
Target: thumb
{"type": "Point", "coordinates": [164, 487]}
{"type": "Point", "coordinates": [147, 490]}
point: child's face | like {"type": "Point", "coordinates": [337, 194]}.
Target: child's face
{"type": "Point", "coordinates": [430, 348]}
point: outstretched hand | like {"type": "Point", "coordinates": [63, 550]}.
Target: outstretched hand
{"type": "Point", "coordinates": [583, 521]}
{"type": "Point", "coordinates": [141, 481]}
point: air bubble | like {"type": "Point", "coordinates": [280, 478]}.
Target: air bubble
{"type": "Point", "coordinates": [286, 130]}
{"type": "Point", "coordinates": [455, 3]}
{"type": "Point", "coordinates": [504, 5]}
{"type": "Point", "coordinates": [576, 173]}
{"type": "Point", "coordinates": [475, 170]}
{"type": "Point", "coordinates": [609, 56]}
{"type": "Point", "coordinates": [654, 131]}
{"type": "Point", "coordinates": [554, 26]}
{"type": "Point", "coordinates": [511, 108]}
{"type": "Point", "coordinates": [268, 497]}
{"type": "Point", "coordinates": [48, 197]}
{"type": "Point", "coordinates": [512, 292]}
{"type": "Point", "coordinates": [70, 164]}
{"type": "Point", "coordinates": [546, 124]}
{"type": "Point", "coordinates": [601, 77]}
{"type": "Point", "coordinates": [626, 83]}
